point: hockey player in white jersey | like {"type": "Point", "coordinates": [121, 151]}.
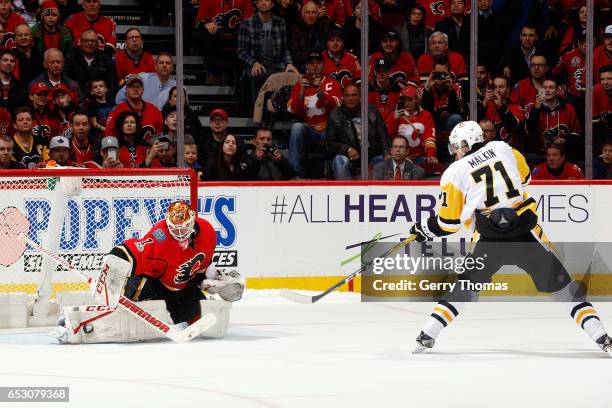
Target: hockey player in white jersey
{"type": "Point", "coordinates": [486, 186]}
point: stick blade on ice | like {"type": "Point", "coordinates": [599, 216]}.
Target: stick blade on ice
{"type": "Point", "coordinates": [194, 330]}
{"type": "Point", "coordinates": [296, 297]}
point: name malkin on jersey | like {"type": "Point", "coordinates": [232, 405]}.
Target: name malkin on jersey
{"type": "Point", "coordinates": [480, 158]}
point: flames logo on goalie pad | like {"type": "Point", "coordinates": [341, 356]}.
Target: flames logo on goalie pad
{"type": "Point", "coordinates": [186, 270]}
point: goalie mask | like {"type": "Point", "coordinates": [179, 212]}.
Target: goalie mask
{"type": "Point", "coordinates": [465, 134]}
{"type": "Point", "coordinates": [180, 220]}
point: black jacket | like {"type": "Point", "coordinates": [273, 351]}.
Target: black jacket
{"type": "Point", "coordinates": [267, 169]}
{"type": "Point", "coordinates": [102, 67]}
{"type": "Point", "coordinates": [341, 133]}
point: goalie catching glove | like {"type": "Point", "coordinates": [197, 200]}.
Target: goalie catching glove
{"type": "Point", "coordinates": [229, 285]}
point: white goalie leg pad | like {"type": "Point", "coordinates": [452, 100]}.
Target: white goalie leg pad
{"type": "Point", "coordinates": [111, 280]}
{"type": "Point", "coordinates": [221, 310]}
{"type": "Point", "coordinates": [103, 324]}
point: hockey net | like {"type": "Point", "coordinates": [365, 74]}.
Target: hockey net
{"type": "Point", "coordinates": [78, 215]}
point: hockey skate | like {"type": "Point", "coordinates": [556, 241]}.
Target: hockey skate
{"type": "Point", "coordinates": [424, 342]}
{"type": "Point", "coordinates": [605, 343]}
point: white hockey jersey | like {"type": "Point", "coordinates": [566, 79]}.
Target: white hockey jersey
{"type": "Point", "coordinates": [493, 176]}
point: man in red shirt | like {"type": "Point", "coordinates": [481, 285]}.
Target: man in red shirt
{"type": "Point", "coordinates": [312, 99]}
{"type": "Point", "coordinates": [603, 54]}
{"type": "Point", "coordinates": [552, 120]}
{"type": "Point", "coordinates": [9, 20]}
{"type": "Point", "coordinates": [401, 64]}
{"type": "Point", "coordinates": [570, 72]}
{"type": "Point", "coordinates": [339, 64]}
{"type": "Point", "coordinates": [602, 105]}
{"type": "Point", "coordinates": [150, 117]}
{"type": "Point", "coordinates": [438, 49]}
{"type": "Point", "coordinates": [383, 91]}
{"type": "Point", "coordinates": [507, 117]}
{"type": "Point", "coordinates": [81, 141]}
{"type": "Point", "coordinates": [133, 59]}
{"type": "Point", "coordinates": [555, 167]}
{"type": "Point", "coordinates": [525, 91]}
{"type": "Point", "coordinates": [90, 18]}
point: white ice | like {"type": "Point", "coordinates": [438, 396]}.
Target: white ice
{"type": "Point", "coordinates": [338, 352]}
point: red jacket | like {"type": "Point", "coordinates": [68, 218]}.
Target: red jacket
{"type": "Point", "coordinates": [105, 27]}
{"type": "Point", "coordinates": [125, 65]}
{"type": "Point", "coordinates": [227, 14]}
{"type": "Point", "coordinates": [571, 69]}
{"type": "Point", "coordinates": [317, 104]}
{"type": "Point", "coordinates": [602, 102]}
{"type": "Point", "coordinates": [385, 100]}
{"type": "Point", "coordinates": [403, 69]}
{"type": "Point", "coordinates": [8, 39]}
{"type": "Point", "coordinates": [150, 119]}
{"type": "Point", "coordinates": [346, 70]}
{"type": "Point", "coordinates": [600, 59]}
{"type": "Point", "coordinates": [570, 172]}
{"type": "Point", "coordinates": [418, 129]}
{"type": "Point", "coordinates": [545, 125]}
{"type": "Point", "coordinates": [457, 65]}
{"type": "Point", "coordinates": [507, 120]}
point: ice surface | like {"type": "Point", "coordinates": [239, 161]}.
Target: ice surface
{"type": "Point", "coordinates": [338, 352]}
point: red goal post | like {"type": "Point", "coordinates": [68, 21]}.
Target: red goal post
{"type": "Point", "coordinates": [80, 214]}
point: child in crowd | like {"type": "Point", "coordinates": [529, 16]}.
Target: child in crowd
{"type": "Point", "coordinates": [191, 156]}
{"type": "Point", "coordinates": [99, 107]}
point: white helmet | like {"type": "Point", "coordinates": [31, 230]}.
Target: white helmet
{"type": "Point", "coordinates": [465, 134]}
{"type": "Point", "coordinates": [180, 220]}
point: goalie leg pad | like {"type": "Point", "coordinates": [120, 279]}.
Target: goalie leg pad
{"type": "Point", "coordinates": [111, 280]}
{"type": "Point", "coordinates": [102, 324]}
{"type": "Point", "coordinates": [221, 310]}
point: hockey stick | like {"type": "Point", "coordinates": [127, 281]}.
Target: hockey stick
{"type": "Point", "coordinates": [299, 298]}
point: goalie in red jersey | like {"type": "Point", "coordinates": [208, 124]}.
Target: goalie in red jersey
{"type": "Point", "coordinates": [173, 262]}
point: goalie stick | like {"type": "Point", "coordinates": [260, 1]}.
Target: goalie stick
{"type": "Point", "coordinates": [18, 229]}
{"type": "Point", "coordinates": [306, 299]}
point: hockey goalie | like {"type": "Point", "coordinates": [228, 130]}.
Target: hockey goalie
{"type": "Point", "coordinates": [166, 273]}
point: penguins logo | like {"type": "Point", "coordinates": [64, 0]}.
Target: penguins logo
{"type": "Point", "coordinates": [186, 270]}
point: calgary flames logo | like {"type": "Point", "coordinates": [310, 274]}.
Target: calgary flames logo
{"type": "Point", "coordinates": [42, 131]}
{"type": "Point", "coordinates": [343, 77]}
{"type": "Point", "coordinates": [186, 270]}
{"type": "Point", "coordinates": [228, 22]}
{"type": "Point", "coordinates": [148, 132]}
{"type": "Point", "coordinates": [437, 7]}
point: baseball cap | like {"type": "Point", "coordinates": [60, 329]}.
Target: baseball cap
{"type": "Point", "coordinates": [335, 33]}
{"type": "Point", "coordinates": [58, 141]}
{"type": "Point", "coordinates": [48, 4]}
{"type": "Point", "coordinates": [389, 34]}
{"type": "Point", "coordinates": [38, 87]}
{"type": "Point", "coordinates": [315, 55]}
{"type": "Point", "coordinates": [218, 112]}
{"type": "Point", "coordinates": [109, 141]}
{"type": "Point", "coordinates": [382, 64]}
{"type": "Point", "coordinates": [409, 91]}
{"type": "Point", "coordinates": [60, 88]}
{"type": "Point", "coordinates": [609, 30]}
{"type": "Point", "coordinates": [133, 78]}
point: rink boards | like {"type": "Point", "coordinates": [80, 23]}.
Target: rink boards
{"type": "Point", "coordinates": [295, 235]}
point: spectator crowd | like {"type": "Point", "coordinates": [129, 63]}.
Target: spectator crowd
{"type": "Point", "coordinates": [71, 97]}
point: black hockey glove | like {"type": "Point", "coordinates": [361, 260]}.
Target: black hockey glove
{"type": "Point", "coordinates": [421, 231]}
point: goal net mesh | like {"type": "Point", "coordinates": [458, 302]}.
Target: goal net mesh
{"type": "Point", "coordinates": [80, 215]}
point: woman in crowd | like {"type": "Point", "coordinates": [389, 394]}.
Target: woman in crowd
{"type": "Point", "coordinates": [229, 163]}
{"type": "Point", "coordinates": [132, 151]}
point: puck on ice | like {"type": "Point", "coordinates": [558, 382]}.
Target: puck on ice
{"type": "Point", "coordinates": [88, 328]}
